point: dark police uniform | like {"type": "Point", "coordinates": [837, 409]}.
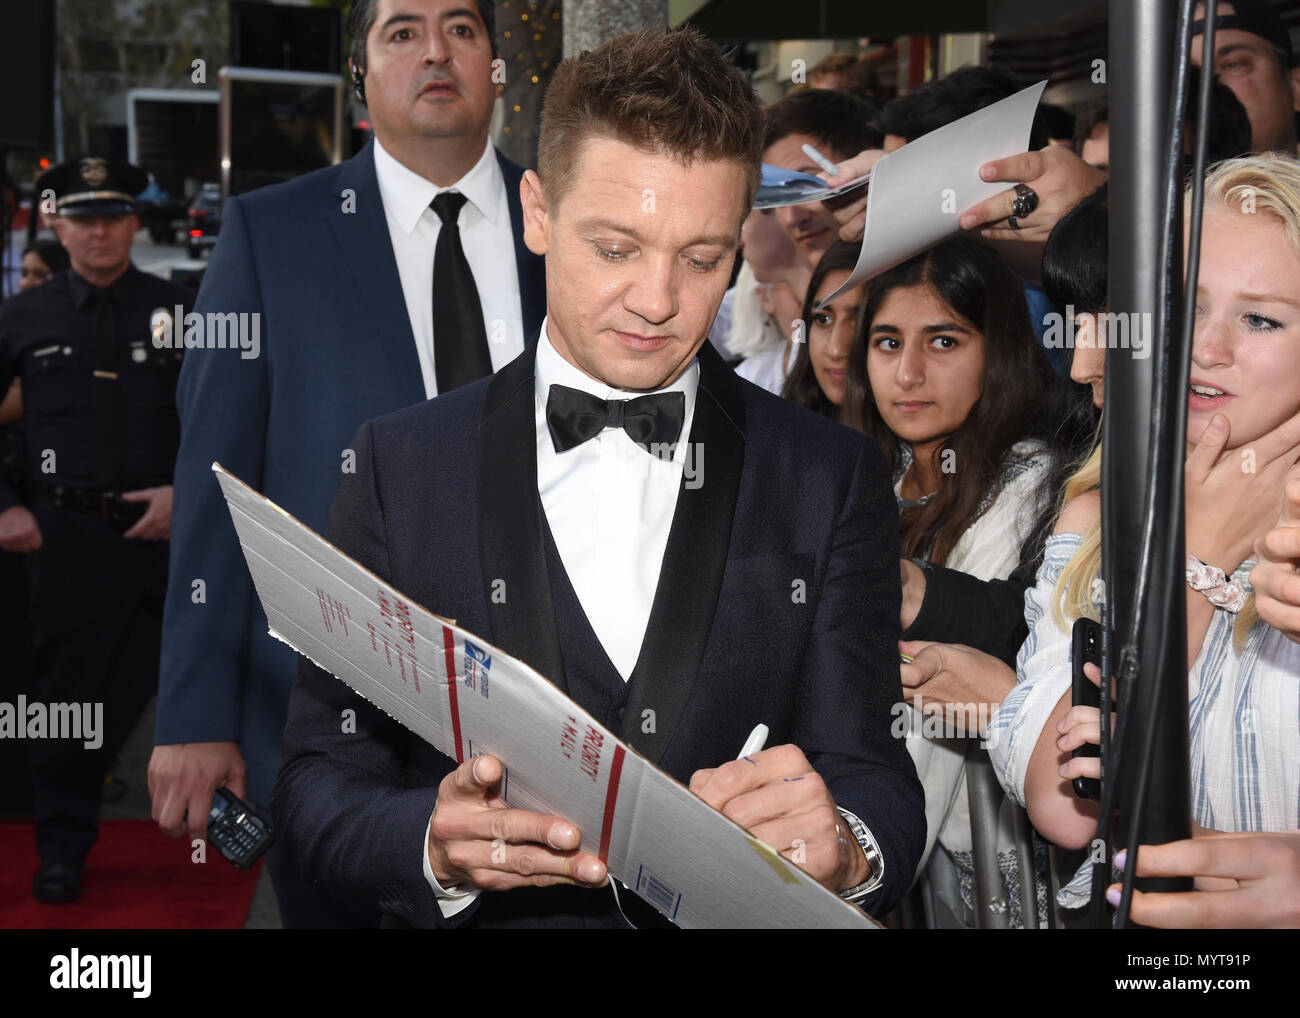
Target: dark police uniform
{"type": "Point", "coordinates": [100, 419]}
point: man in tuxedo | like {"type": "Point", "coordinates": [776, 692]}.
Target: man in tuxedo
{"type": "Point", "coordinates": [373, 285]}
{"type": "Point", "coordinates": [682, 553]}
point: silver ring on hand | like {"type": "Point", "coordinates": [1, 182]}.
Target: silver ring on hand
{"type": "Point", "coordinates": [1025, 203]}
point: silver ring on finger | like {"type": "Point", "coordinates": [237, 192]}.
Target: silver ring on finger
{"type": "Point", "coordinates": [1026, 201]}
{"type": "Point", "coordinates": [1011, 221]}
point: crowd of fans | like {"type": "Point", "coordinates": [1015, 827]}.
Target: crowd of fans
{"type": "Point", "coordinates": [993, 436]}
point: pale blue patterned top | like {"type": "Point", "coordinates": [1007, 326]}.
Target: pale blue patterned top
{"type": "Point", "coordinates": [1243, 714]}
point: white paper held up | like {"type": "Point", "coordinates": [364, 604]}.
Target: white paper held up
{"type": "Point", "coordinates": [918, 192]}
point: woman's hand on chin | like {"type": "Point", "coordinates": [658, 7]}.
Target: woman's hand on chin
{"type": "Point", "coordinates": [1232, 496]}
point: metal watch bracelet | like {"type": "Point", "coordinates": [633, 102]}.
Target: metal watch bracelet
{"type": "Point", "coordinates": [869, 847]}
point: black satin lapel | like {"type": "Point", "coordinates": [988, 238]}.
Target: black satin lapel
{"type": "Point", "coordinates": [366, 249]}
{"type": "Point", "coordinates": [690, 579]}
{"type": "Point", "coordinates": [511, 552]}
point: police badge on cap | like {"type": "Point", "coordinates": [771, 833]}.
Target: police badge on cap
{"type": "Point", "coordinates": [93, 186]}
{"type": "Point", "coordinates": [94, 171]}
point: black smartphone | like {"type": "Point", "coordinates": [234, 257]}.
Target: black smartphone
{"type": "Point", "coordinates": [237, 829]}
{"type": "Point", "coordinates": [1085, 648]}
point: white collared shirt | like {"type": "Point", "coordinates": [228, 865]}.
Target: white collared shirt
{"type": "Point", "coordinates": [610, 505]}
{"type": "Point", "coordinates": [487, 236]}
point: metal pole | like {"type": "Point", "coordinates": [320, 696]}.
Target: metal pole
{"type": "Point", "coordinates": [987, 900]}
{"type": "Point", "coordinates": [1025, 863]}
{"type": "Point", "coordinates": [1054, 920]}
{"type": "Point", "coordinates": [1142, 47]}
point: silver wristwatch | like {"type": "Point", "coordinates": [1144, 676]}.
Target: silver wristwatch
{"type": "Point", "coordinates": [854, 895]}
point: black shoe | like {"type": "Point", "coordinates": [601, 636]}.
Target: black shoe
{"type": "Point", "coordinates": [57, 883]}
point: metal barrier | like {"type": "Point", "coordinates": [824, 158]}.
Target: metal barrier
{"type": "Point", "coordinates": [989, 903]}
{"type": "Point", "coordinates": [992, 910]}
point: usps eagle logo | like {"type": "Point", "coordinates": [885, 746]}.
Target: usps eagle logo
{"type": "Point", "coordinates": [94, 171]}
{"type": "Point", "coordinates": [477, 666]}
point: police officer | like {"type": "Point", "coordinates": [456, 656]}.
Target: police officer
{"type": "Point", "coordinates": [101, 439]}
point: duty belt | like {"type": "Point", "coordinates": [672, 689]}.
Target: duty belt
{"type": "Point", "coordinates": [109, 505]}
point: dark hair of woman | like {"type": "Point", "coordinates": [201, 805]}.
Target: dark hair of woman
{"type": "Point", "coordinates": [1020, 397]}
{"type": "Point", "coordinates": [1076, 275]}
{"type": "Point", "coordinates": [801, 383]}
{"type": "Point", "coordinates": [1075, 258]}
{"type": "Point", "coordinates": [51, 252]}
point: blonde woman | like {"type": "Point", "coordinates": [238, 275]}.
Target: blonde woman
{"type": "Point", "coordinates": [1243, 434]}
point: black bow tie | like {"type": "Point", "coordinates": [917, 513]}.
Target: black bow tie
{"type": "Point", "coordinates": [653, 422]}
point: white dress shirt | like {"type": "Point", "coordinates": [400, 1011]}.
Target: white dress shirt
{"type": "Point", "coordinates": [488, 239]}
{"type": "Point", "coordinates": [610, 506]}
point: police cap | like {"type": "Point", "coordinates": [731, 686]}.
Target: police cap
{"type": "Point", "coordinates": [93, 186]}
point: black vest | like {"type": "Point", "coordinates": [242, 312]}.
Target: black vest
{"type": "Point", "coordinates": [594, 683]}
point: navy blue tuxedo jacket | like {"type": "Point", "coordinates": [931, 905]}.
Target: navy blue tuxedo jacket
{"type": "Point", "coordinates": [444, 503]}
{"type": "Point", "coordinates": [336, 350]}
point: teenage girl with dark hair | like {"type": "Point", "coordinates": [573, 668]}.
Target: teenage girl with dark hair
{"type": "Point", "coordinates": [946, 373]}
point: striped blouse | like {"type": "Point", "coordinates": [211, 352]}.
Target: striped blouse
{"type": "Point", "coordinates": [1243, 712]}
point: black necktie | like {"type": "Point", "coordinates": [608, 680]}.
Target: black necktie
{"type": "Point", "coordinates": [460, 350]}
{"type": "Point", "coordinates": [653, 422]}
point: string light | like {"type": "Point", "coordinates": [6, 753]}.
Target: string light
{"type": "Point", "coordinates": [531, 23]}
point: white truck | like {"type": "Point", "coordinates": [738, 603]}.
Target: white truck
{"type": "Point", "coordinates": [173, 134]}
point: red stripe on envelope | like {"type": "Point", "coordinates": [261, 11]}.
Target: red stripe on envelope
{"type": "Point", "coordinates": [611, 797]}
{"type": "Point", "coordinates": [449, 645]}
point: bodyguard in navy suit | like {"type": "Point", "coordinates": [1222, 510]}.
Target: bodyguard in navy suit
{"type": "Point", "coordinates": [682, 553]}
{"type": "Point", "coordinates": [336, 270]}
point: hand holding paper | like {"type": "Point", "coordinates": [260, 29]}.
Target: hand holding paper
{"type": "Point", "coordinates": [917, 192]}
{"type": "Point", "coordinates": [852, 216]}
{"type": "Point", "coordinates": [1059, 178]}
{"type": "Point", "coordinates": [475, 838]}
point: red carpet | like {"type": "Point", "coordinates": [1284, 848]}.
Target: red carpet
{"type": "Point", "coordinates": [136, 878]}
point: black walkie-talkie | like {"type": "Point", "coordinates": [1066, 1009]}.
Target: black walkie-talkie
{"type": "Point", "coordinates": [238, 830]}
